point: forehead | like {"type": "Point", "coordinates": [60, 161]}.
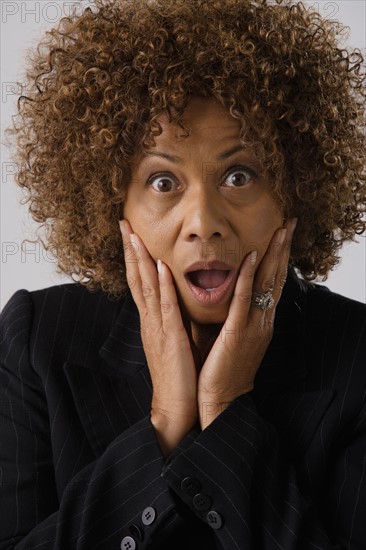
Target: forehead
{"type": "Point", "coordinates": [214, 135]}
{"type": "Point", "coordinates": [205, 119]}
{"type": "Point", "coordinates": [212, 130]}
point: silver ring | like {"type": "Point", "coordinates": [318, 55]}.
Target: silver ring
{"type": "Point", "coordinates": [263, 300]}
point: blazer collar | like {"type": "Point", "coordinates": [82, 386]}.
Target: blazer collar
{"type": "Point", "coordinates": [123, 352]}
{"type": "Point", "coordinates": [283, 363]}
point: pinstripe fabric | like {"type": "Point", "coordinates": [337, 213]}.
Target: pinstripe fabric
{"type": "Point", "coordinates": [284, 464]}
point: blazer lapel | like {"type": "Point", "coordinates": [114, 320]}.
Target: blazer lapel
{"type": "Point", "coordinates": [283, 365]}
{"type": "Point", "coordinates": [281, 392]}
{"type": "Point", "coordinates": [107, 404]}
{"type": "Point", "coordinates": [114, 390]}
{"type": "Point", "coordinates": [123, 350]}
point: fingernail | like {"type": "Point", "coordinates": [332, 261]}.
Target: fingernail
{"type": "Point", "coordinates": [282, 235]}
{"type": "Point", "coordinates": [253, 257]}
{"type": "Point", "coordinates": [121, 226]}
{"type": "Point", "coordinates": [133, 239]}
{"type": "Point", "coordinates": [293, 224]}
{"type": "Point", "coordinates": [159, 266]}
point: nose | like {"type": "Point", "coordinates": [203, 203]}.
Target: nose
{"type": "Point", "coordinates": [204, 214]}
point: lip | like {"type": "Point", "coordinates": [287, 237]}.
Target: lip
{"type": "Point", "coordinates": [214, 264]}
{"type": "Point", "coordinates": [213, 297]}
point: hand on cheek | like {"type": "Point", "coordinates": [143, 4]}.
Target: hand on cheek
{"type": "Point", "coordinates": [165, 342]}
{"type": "Point", "coordinates": [235, 357]}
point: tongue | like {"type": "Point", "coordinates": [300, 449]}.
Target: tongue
{"type": "Point", "coordinates": [209, 278]}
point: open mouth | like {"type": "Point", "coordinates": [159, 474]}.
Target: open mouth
{"type": "Point", "coordinates": [208, 279]}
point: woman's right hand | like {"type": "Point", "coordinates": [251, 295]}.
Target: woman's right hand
{"type": "Point", "coordinates": [174, 409]}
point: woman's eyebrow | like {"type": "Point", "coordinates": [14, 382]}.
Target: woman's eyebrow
{"type": "Point", "coordinates": [178, 160]}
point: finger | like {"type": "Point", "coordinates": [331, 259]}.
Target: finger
{"type": "Point", "coordinates": [270, 274]}
{"type": "Point", "coordinates": [132, 270]}
{"type": "Point", "coordinates": [240, 303]}
{"type": "Point", "coordinates": [149, 279]}
{"type": "Point", "coordinates": [282, 268]}
{"type": "Point", "coordinates": [170, 310]}
{"type": "Point", "coordinates": [265, 279]}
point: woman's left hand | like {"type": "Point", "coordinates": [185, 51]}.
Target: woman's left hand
{"type": "Point", "coordinates": [231, 365]}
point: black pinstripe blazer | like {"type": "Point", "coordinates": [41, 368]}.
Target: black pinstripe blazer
{"type": "Point", "coordinates": [283, 467]}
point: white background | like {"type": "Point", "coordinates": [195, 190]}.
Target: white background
{"type": "Point", "coordinates": [27, 265]}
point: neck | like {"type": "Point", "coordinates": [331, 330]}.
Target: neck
{"type": "Point", "coordinates": [204, 337]}
{"type": "Point", "coordinates": [201, 336]}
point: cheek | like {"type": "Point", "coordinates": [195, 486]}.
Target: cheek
{"type": "Point", "coordinates": [154, 227]}
{"type": "Point", "coordinates": [261, 231]}
{"type": "Point", "coordinates": [156, 235]}
{"type": "Point", "coordinates": [143, 213]}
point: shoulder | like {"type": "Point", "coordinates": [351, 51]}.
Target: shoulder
{"type": "Point", "coordinates": [54, 317]}
{"type": "Point", "coordinates": [334, 338]}
{"type": "Point", "coordinates": [323, 305]}
{"type": "Point", "coordinates": [66, 299]}
{"type": "Point", "coordinates": [330, 308]}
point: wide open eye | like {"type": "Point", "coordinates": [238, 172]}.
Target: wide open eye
{"type": "Point", "coordinates": [239, 176]}
{"type": "Point", "coordinates": [163, 182]}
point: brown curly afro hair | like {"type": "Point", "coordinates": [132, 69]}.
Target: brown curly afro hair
{"type": "Point", "coordinates": [98, 81]}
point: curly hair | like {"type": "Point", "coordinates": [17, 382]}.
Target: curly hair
{"type": "Point", "coordinates": [98, 81]}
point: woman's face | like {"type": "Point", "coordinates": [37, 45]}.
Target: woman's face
{"type": "Point", "coordinates": [204, 200]}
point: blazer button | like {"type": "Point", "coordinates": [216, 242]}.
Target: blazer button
{"type": "Point", "coordinates": [202, 501]}
{"type": "Point", "coordinates": [128, 543]}
{"type": "Point", "coordinates": [190, 486]}
{"type": "Point", "coordinates": [148, 515]}
{"type": "Point", "coordinates": [214, 519]}
{"type": "Point", "coordinates": [136, 532]}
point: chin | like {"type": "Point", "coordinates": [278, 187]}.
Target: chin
{"type": "Point", "coordinates": [219, 320]}
{"type": "Point", "coordinates": [213, 316]}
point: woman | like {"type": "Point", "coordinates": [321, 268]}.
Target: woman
{"type": "Point", "coordinates": [190, 388]}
